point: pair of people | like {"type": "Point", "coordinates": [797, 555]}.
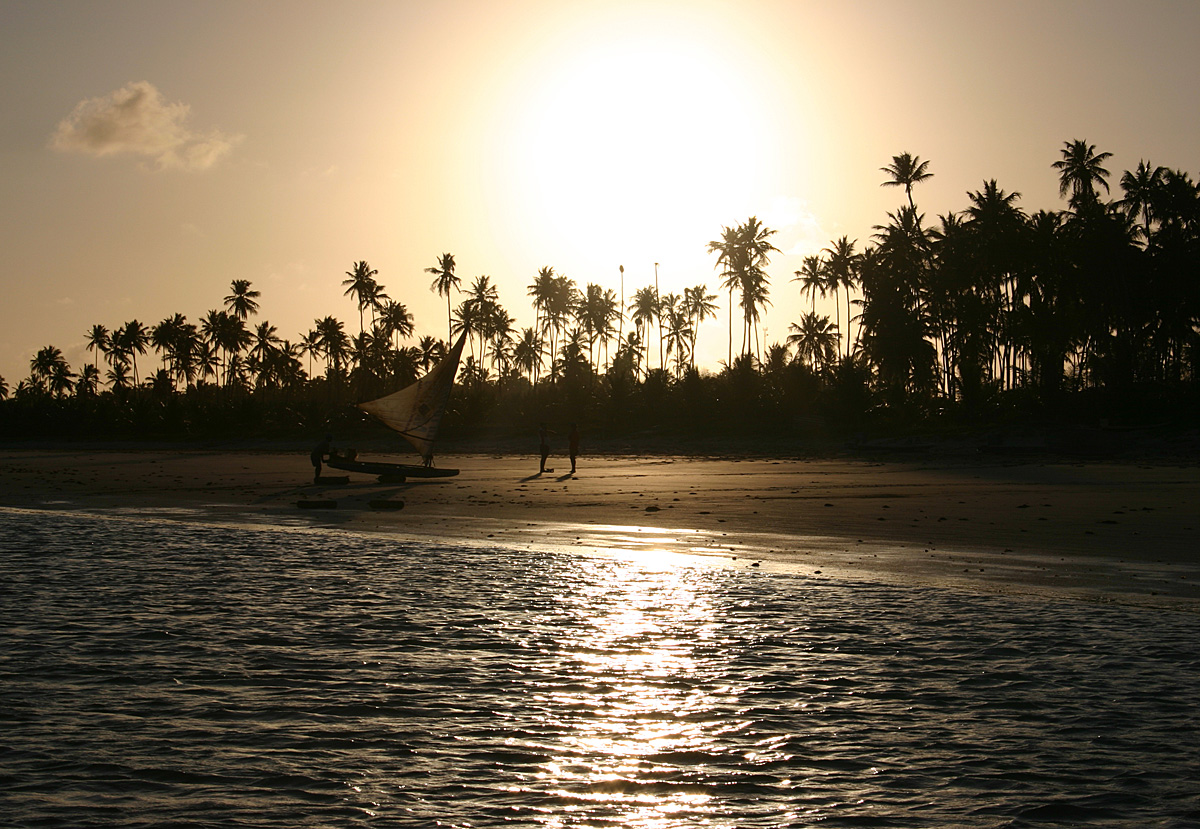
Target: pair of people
{"type": "Point", "coordinates": [544, 447]}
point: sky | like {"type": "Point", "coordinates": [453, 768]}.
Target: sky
{"type": "Point", "coordinates": [152, 152]}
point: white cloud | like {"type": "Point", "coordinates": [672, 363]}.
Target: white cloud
{"type": "Point", "coordinates": [800, 232]}
{"type": "Point", "coordinates": [136, 119]}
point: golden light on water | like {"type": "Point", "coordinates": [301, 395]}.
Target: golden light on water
{"type": "Point", "coordinates": [645, 699]}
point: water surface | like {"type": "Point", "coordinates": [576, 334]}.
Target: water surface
{"type": "Point", "coordinates": [156, 673]}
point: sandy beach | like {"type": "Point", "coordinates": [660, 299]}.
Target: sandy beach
{"type": "Point", "coordinates": [1093, 531]}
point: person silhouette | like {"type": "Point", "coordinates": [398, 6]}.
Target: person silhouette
{"type": "Point", "coordinates": [318, 454]}
{"type": "Point", "coordinates": [544, 446]}
{"type": "Point", "coordinates": [573, 444]}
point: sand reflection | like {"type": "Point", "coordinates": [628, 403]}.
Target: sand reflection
{"type": "Point", "coordinates": [644, 696]}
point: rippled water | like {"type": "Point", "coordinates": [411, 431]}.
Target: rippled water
{"type": "Point", "coordinates": [156, 673]}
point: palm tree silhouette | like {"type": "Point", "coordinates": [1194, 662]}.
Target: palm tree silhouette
{"type": "Point", "coordinates": [698, 305]}
{"type": "Point", "coordinates": [1080, 170]}
{"type": "Point", "coordinates": [445, 281]}
{"type": "Point", "coordinates": [241, 302]}
{"type": "Point", "coordinates": [816, 340]}
{"type": "Point", "coordinates": [1141, 187]}
{"type": "Point", "coordinates": [730, 254]}
{"type": "Point", "coordinates": [643, 310]}
{"type": "Point", "coordinates": [362, 287]}
{"type": "Point", "coordinates": [841, 264]}
{"type": "Point", "coordinates": [812, 278]}
{"type": "Point", "coordinates": [905, 171]}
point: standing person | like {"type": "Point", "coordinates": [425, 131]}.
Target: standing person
{"type": "Point", "coordinates": [544, 445]}
{"type": "Point", "coordinates": [573, 444]}
{"type": "Point", "coordinates": [318, 454]}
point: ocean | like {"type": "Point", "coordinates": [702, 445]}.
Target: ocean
{"type": "Point", "coordinates": [159, 673]}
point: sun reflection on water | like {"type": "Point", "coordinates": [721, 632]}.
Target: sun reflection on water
{"type": "Point", "coordinates": [643, 703]}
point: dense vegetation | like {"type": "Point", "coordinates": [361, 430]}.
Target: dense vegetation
{"type": "Point", "coordinates": [985, 315]}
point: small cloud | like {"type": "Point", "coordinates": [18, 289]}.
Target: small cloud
{"type": "Point", "coordinates": [800, 232]}
{"type": "Point", "coordinates": [64, 300]}
{"type": "Point", "coordinates": [135, 119]}
{"type": "Point", "coordinates": [193, 230]}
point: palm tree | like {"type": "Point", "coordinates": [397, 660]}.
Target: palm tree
{"type": "Point", "coordinates": [430, 351]}
{"type": "Point", "coordinates": [241, 302]}
{"type": "Point", "coordinates": [362, 286]}
{"type": "Point", "coordinates": [729, 259]}
{"type": "Point", "coordinates": [816, 340]}
{"type": "Point", "coordinates": [812, 278]}
{"type": "Point", "coordinates": [266, 342]}
{"type": "Point", "coordinates": [98, 340]}
{"type": "Point", "coordinates": [1140, 188]}
{"type": "Point", "coordinates": [541, 290]}
{"type": "Point", "coordinates": [841, 264]}
{"type": "Point", "coordinates": [905, 171]}
{"type": "Point", "coordinates": [310, 344]}
{"type": "Point", "coordinates": [528, 353]}
{"type": "Point", "coordinates": [699, 305]}
{"type": "Point", "coordinates": [118, 376]}
{"type": "Point", "coordinates": [131, 340]}
{"type": "Point", "coordinates": [89, 380]}
{"type": "Point", "coordinates": [743, 254]}
{"type": "Point", "coordinates": [444, 283]}
{"type": "Point", "coordinates": [643, 308]}
{"type": "Point", "coordinates": [334, 344]}
{"type": "Point", "coordinates": [48, 362]}
{"type": "Point", "coordinates": [679, 331]}
{"type": "Point", "coordinates": [595, 315]}
{"type": "Point", "coordinates": [1080, 170]}
{"type": "Point", "coordinates": [3, 389]}
{"type": "Point", "coordinates": [396, 319]}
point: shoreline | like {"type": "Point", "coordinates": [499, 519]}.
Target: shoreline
{"type": "Point", "coordinates": [1095, 531]}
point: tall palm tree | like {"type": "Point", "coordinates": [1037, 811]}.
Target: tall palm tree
{"type": "Point", "coordinates": [444, 282]}
{"type": "Point", "coordinates": [241, 302]}
{"type": "Point", "coordinates": [528, 353]}
{"type": "Point", "coordinates": [335, 345]}
{"type": "Point", "coordinates": [99, 340]}
{"type": "Point", "coordinates": [45, 363]}
{"type": "Point", "coordinates": [396, 319]}
{"type": "Point", "coordinates": [755, 239]}
{"type": "Point", "coordinates": [743, 254]}
{"type": "Point", "coordinates": [841, 264]}
{"type": "Point", "coordinates": [812, 278]}
{"type": "Point", "coordinates": [730, 256]}
{"type": "Point", "coordinates": [310, 344]}
{"type": "Point", "coordinates": [643, 310]}
{"type": "Point", "coordinates": [679, 330]}
{"type": "Point", "coordinates": [905, 171]}
{"type": "Point", "coordinates": [361, 285]}
{"type": "Point", "coordinates": [131, 340]}
{"type": "Point", "coordinates": [541, 290]}
{"type": "Point", "coordinates": [699, 305]}
{"type": "Point", "coordinates": [1080, 170]}
{"type": "Point", "coordinates": [1141, 187]}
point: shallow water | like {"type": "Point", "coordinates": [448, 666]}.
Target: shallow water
{"type": "Point", "coordinates": [156, 673]}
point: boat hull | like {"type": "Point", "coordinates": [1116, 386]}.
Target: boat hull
{"type": "Point", "coordinates": [391, 470]}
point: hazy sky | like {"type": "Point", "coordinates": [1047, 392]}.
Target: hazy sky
{"type": "Point", "coordinates": [154, 151]}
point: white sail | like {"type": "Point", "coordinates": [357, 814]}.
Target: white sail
{"type": "Point", "coordinates": [416, 411]}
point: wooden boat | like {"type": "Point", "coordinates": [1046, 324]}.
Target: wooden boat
{"type": "Point", "coordinates": [415, 412]}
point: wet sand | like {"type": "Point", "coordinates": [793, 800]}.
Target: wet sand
{"type": "Point", "coordinates": [1094, 531]}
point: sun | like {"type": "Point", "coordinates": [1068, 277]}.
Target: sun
{"type": "Point", "coordinates": [632, 143]}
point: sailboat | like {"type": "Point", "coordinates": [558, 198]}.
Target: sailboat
{"type": "Point", "coordinates": [416, 413]}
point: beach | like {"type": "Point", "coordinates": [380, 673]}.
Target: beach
{"type": "Point", "coordinates": [1095, 531]}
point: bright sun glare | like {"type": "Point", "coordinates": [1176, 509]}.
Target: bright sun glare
{"type": "Point", "coordinates": [634, 144]}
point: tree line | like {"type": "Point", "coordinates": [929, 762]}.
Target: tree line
{"type": "Point", "coordinates": [982, 310]}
